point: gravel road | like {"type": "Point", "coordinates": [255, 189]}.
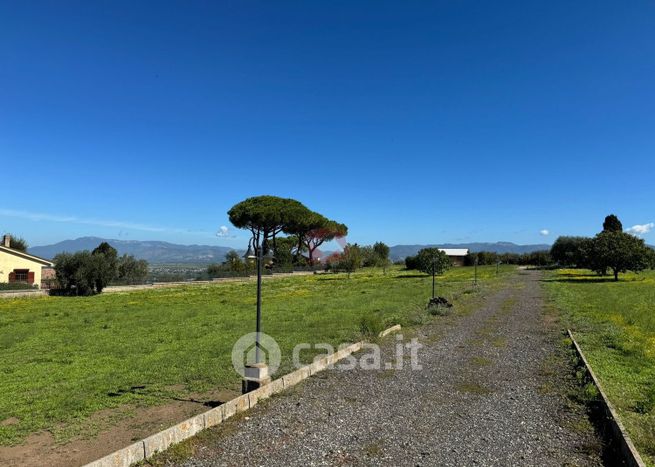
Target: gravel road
{"type": "Point", "coordinates": [492, 391]}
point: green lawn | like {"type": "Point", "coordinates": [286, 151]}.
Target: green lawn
{"type": "Point", "coordinates": [64, 358]}
{"type": "Point", "coordinates": [615, 326]}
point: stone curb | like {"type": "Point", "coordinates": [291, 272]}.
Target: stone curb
{"type": "Point", "coordinates": [627, 449]}
{"type": "Point", "coordinates": [161, 441]}
{"type": "Point", "coordinates": [386, 332]}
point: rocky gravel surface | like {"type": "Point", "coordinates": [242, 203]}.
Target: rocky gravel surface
{"type": "Point", "coordinates": [491, 391]}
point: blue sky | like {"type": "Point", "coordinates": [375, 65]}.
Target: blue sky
{"type": "Point", "coordinates": [411, 122]}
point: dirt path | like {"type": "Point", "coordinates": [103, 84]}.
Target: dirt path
{"type": "Point", "coordinates": [107, 431]}
{"type": "Point", "coordinates": [492, 391]}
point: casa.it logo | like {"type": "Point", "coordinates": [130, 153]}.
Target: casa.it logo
{"type": "Point", "coordinates": [244, 352]}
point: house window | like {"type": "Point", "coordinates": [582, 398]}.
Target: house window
{"type": "Point", "coordinates": [19, 275]}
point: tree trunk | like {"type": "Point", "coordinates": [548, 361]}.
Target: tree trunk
{"type": "Point", "coordinates": [616, 275]}
{"type": "Point", "coordinates": [299, 250]}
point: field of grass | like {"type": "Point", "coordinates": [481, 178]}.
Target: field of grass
{"type": "Point", "coordinates": [64, 358]}
{"type": "Point", "coordinates": [615, 326]}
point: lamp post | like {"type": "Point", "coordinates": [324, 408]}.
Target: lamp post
{"type": "Point", "coordinates": [256, 375]}
{"type": "Point", "coordinates": [256, 256]}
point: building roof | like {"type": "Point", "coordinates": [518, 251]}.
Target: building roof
{"type": "Point", "coordinates": [455, 251]}
{"type": "Point", "coordinates": [22, 254]}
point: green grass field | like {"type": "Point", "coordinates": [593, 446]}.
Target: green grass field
{"type": "Point", "coordinates": [64, 358]}
{"type": "Point", "coordinates": [615, 326]}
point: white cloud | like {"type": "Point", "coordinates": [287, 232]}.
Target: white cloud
{"type": "Point", "coordinates": [36, 216]}
{"type": "Point", "coordinates": [544, 232]}
{"type": "Point", "coordinates": [641, 229]}
{"type": "Point", "coordinates": [224, 232]}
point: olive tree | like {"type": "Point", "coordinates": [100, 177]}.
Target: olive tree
{"type": "Point", "coordinates": [132, 270]}
{"type": "Point", "coordinates": [432, 261]}
{"type": "Point", "coordinates": [349, 260]}
{"type": "Point", "coordinates": [381, 250]}
{"type": "Point", "coordinates": [105, 265]}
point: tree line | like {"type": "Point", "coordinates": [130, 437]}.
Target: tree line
{"type": "Point", "coordinates": [352, 257]}
{"type": "Point", "coordinates": [535, 258]}
{"type": "Point", "coordinates": [611, 250]}
{"type": "Point", "coordinates": [487, 258]}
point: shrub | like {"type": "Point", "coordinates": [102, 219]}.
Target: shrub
{"type": "Point", "coordinates": [375, 255]}
{"type": "Point", "coordinates": [348, 261]}
{"type": "Point", "coordinates": [438, 310]}
{"type": "Point", "coordinates": [411, 262]}
{"type": "Point", "coordinates": [439, 306]}
{"type": "Point", "coordinates": [371, 326]}
{"type": "Point", "coordinates": [16, 286]}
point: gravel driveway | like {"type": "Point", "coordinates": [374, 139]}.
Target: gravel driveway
{"type": "Point", "coordinates": [492, 391]}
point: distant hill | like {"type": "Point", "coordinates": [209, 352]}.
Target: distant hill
{"type": "Point", "coordinates": [154, 252]}
{"type": "Point", "coordinates": [399, 252]}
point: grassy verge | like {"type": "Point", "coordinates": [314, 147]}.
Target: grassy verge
{"type": "Point", "coordinates": [614, 324]}
{"type": "Point", "coordinates": [65, 358]}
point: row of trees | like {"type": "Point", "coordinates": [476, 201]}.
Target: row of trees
{"type": "Point", "coordinates": [233, 264]}
{"type": "Point", "coordinates": [88, 272]}
{"type": "Point", "coordinates": [535, 258]}
{"type": "Point", "coordinates": [610, 250]}
{"type": "Point", "coordinates": [485, 258]}
{"type": "Point", "coordinates": [355, 256]}
{"type": "Point", "coordinates": [350, 259]}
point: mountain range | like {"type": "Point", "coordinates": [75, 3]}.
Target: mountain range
{"type": "Point", "coordinates": [157, 252]}
{"type": "Point", "coordinates": [154, 252]}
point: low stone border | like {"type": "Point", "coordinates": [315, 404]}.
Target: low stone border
{"type": "Point", "coordinates": [161, 441]}
{"type": "Point", "coordinates": [627, 449]}
{"type": "Point", "coordinates": [23, 293]}
{"type": "Point", "coordinates": [218, 280]}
